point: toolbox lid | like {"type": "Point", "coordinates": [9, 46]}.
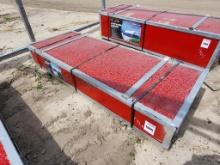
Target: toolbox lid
{"type": "Point", "coordinates": [176, 19]}
{"type": "Point", "coordinates": [169, 94]}
{"type": "Point", "coordinates": [139, 13]}
{"type": "Point", "coordinates": [119, 68]}
{"type": "Point", "coordinates": [80, 50]}
{"type": "Point", "coordinates": [54, 40]}
{"type": "Point", "coordinates": [210, 25]}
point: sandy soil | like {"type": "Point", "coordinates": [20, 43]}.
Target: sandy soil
{"type": "Point", "coordinates": [52, 124]}
{"type": "Point", "coordinates": [207, 7]}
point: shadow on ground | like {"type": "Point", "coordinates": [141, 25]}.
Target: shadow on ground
{"type": "Point", "coordinates": [35, 143]}
{"type": "Point", "coordinates": [204, 160]}
{"type": "Point", "coordinates": [191, 120]}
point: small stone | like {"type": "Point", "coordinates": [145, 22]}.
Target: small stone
{"type": "Point", "coordinates": [209, 121]}
{"type": "Point", "coordinates": [43, 151]}
{"type": "Point", "coordinates": [87, 113]}
{"type": "Point", "coordinates": [34, 156]}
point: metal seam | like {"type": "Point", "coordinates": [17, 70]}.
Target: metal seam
{"type": "Point", "coordinates": [63, 42]}
{"type": "Point", "coordinates": [157, 82]}
{"type": "Point", "coordinates": [199, 22]}
{"type": "Point", "coordinates": [161, 12]}
{"type": "Point", "coordinates": [145, 78]}
{"type": "Point", "coordinates": [99, 54]}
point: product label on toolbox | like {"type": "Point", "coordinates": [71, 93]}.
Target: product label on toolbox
{"type": "Point", "coordinates": [150, 128]}
{"type": "Point", "coordinates": [127, 31]}
{"type": "Point", "coordinates": [54, 69]}
{"type": "Point", "coordinates": [205, 43]}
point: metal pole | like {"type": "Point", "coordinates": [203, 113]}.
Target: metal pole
{"type": "Point", "coordinates": [86, 27]}
{"type": "Point", "coordinates": [25, 20]}
{"type": "Point", "coordinates": [25, 49]}
{"type": "Point", "coordinates": [103, 4]}
{"type": "Point", "coordinates": [13, 53]}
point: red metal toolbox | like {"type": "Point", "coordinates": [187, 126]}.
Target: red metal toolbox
{"type": "Point", "coordinates": [176, 35]}
{"type": "Point", "coordinates": [8, 152]}
{"type": "Point", "coordinates": [150, 92]}
{"type": "Point", "coordinates": [67, 54]}
{"type": "Point", "coordinates": [189, 38]}
{"type": "Point", "coordinates": [126, 25]}
{"type": "Point", "coordinates": [117, 70]}
{"type": "Point", "coordinates": [210, 25]}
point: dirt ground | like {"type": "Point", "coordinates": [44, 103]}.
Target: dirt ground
{"type": "Point", "coordinates": [52, 124]}
{"type": "Point", "coordinates": [207, 7]}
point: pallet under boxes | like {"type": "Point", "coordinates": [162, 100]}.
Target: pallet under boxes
{"type": "Point", "coordinates": [152, 93]}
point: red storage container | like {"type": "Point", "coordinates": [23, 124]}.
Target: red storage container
{"type": "Point", "coordinates": [151, 91]}
{"type": "Point", "coordinates": [126, 25]}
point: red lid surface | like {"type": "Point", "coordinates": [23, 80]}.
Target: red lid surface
{"type": "Point", "coordinates": [139, 13]}
{"type": "Point", "coordinates": [176, 19]}
{"type": "Point", "coordinates": [80, 50]}
{"type": "Point", "coordinates": [119, 68]}
{"type": "Point", "coordinates": [53, 40]}
{"type": "Point", "coordinates": [210, 25]}
{"type": "Point", "coordinates": [152, 80]}
{"type": "Point", "coordinates": [169, 95]}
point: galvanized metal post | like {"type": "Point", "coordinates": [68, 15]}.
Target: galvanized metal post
{"type": "Point", "coordinates": [25, 20]}
{"type": "Point", "coordinates": [103, 4]}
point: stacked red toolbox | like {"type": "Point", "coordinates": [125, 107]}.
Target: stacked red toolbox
{"type": "Point", "coordinates": [115, 23]}
{"type": "Point", "coordinates": [189, 38]}
{"type": "Point", "coordinates": [175, 35]}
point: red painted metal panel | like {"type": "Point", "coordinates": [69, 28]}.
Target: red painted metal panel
{"type": "Point", "coordinates": [139, 13]}
{"type": "Point", "coordinates": [210, 25]}
{"type": "Point", "coordinates": [142, 36]}
{"type": "Point", "coordinates": [68, 77]}
{"type": "Point", "coordinates": [169, 95]}
{"type": "Point", "coordinates": [176, 19]}
{"type": "Point", "coordinates": [3, 156]}
{"type": "Point", "coordinates": [119, 68]}
{"type": "Point", "coordinates": [183, 46]}
{"type": "Point", "coordinates": [105, 25]}
{"type": "Point", "coordinates": [35, 57]}
{"type": "Point", "coordinates": [39, 60]}
{"type": "Point", "coordinates": [152, 80]}
{"type": "Point", "coordinates": [106, 100]}
{"type": "Point", "coordinates": [80, 51]}
{"type": "Point", "coordinates": [139, 122]}
{"type": "Point", "coordinates": [53, 40]}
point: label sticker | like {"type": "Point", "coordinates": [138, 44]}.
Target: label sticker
{"type": "Point", "coordinates": [126, 31]}
{"type": "Point", "coordinates": [205, 43]}
{"type": "Point", "coordinates": [150, 128]}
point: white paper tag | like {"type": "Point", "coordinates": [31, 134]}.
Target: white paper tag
{"type": "Point", "coordinates": [150, 128]}
{"type": "Point", "coordinates": [205, 43]}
